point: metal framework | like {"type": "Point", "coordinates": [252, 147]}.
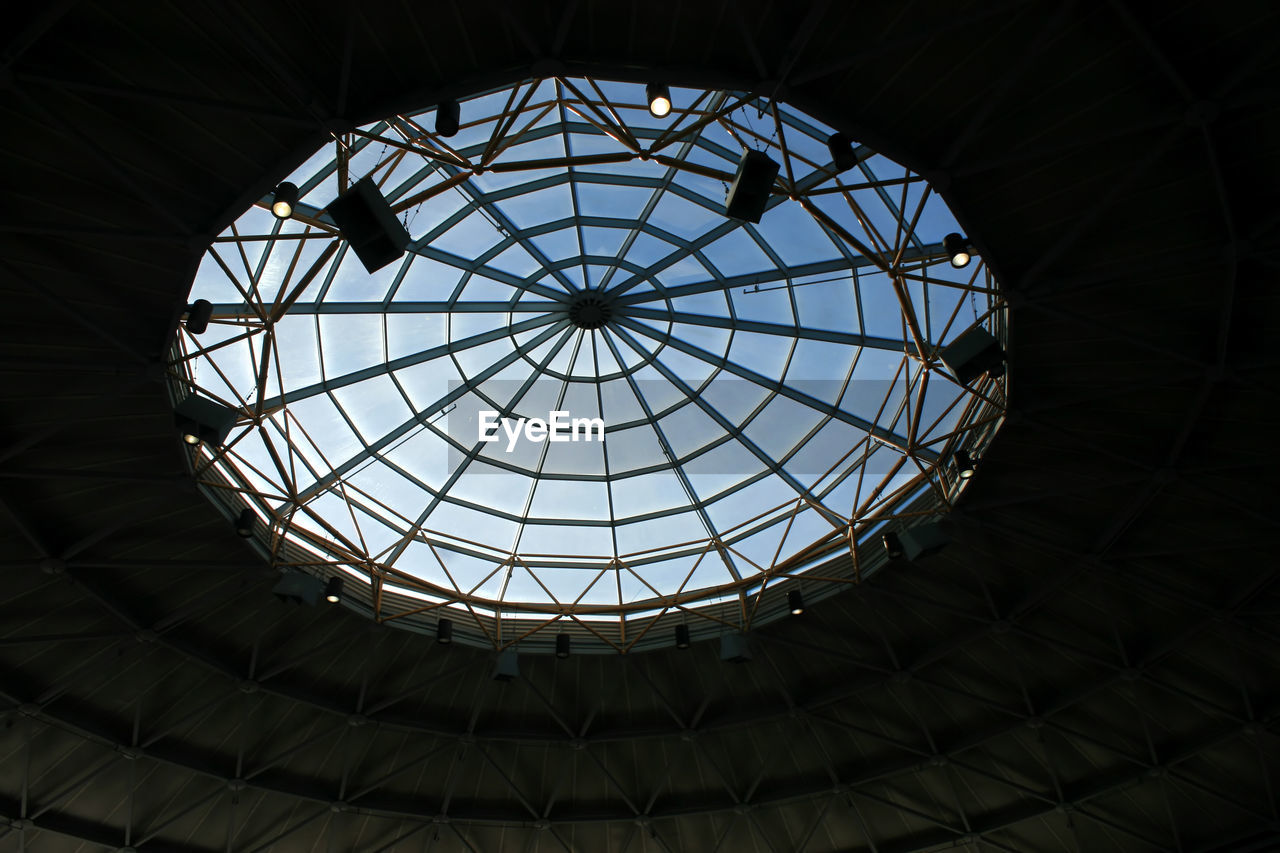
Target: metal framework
{"type": "Point", "coordinates": [772, 393]}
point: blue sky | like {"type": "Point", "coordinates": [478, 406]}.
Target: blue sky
{"type": "Point", "coordinates": [742, 361]}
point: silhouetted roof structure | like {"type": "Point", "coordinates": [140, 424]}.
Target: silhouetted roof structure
{"type": "Point", "coordinates": [1090, 666]}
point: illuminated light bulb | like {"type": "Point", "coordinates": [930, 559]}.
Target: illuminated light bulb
{"type": "Point", "coordinates": [285, 199]}
{"type": "Point", "coordinates": [659, 97]}
{"type": "Point", "coordinates": [957, 249]}
{"type": "Point", "coordinates": [333, 590]}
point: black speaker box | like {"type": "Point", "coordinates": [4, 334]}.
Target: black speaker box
{"type": "Point", "coordinates": [735, 648]}
{"type": "Point", "coordinates": [749, 192]}
{"type": "Point", "coordinates": [973, 354]}
{"type": "Point", "coordinates": [369, 225]}
{"type": "Point", "coordinates": [923, 540]}
{"type": "Point", "coordinates": [204, 418]}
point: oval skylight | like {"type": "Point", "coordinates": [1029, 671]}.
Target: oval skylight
{"type": "Point", "coordinates": [724, 405]}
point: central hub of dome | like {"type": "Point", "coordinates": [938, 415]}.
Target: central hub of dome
{"type": "Point", "coordinates": [590, 310]}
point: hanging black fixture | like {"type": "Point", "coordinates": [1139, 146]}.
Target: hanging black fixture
{"type": "Point", "coordinates": [198, 316]}
{"type": "Point", "coordinates": [892, 545]}
{"type": "Point", "coordinates": [448, 117]}
{"type": "Point", "coordinates": [333, 589]}
{"type": "Point", "coordinates": [563, 641]}
{"type": "Point", "coordinates": [200, 420]}
{"type": "Point", "coordinates": [296, 587]}
{"type": "Point", "coordinates": [843, 156]}
{"type": "Point", "coordinates": [795, 602]}
{"type": "Point", "coordinates": [972, 354]}
{"type": "Point", "coordinates": [285, 200]}
{"type": "Point", "coordinates": [245, 523]}
{"type": "Point", "coordinates": [924, 540]}
{"type": "Point", "coordinates": [506, 667]}
{"type": "Point", "coordinates": [444, 632]}
{"type": "Point", "coordinates": [964, 464]}
{"type": "Point", "coordinates": [749, 194]}
{"type": "Point", "coordinates": [735, 648]}
{"type": "Point", "coordinates": [682, 637]}
{"type": "Point", "coordinates": [957, 249]}
{"type": "Point", "coordinates": [659, 98]}
{"type": "Point", "coordinates": [369, 225]}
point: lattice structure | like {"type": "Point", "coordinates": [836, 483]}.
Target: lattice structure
{"type": "Point", "coordinates": [771, 393]}
{"type": "Point", "coordinates": [1090, 667]}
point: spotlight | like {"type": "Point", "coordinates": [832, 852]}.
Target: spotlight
{"type": "Point", "coordinates": [923, 540]}
{"type": "Point", "coordinates": [562, 645]}
{"type": "Point", "coordinates": [842, 153]}
{"type": "Point", "coordinates": [333, 589]}
{"type": "Point", "coordinates": [285, 200]}
{"type": "Point", "coordinates": [957, 249]}
{"type": "Point", "coordinates": [369, 225]}
{"type": "Point", "coordinates": [972, 354]}
{"type": "Point", "coordinates": [964, 464]}
{"type": "Point", "coordinates": [245, 523]}
{"type": "Point", "coordinates": [682, 637]}
{"type": "Point", "coordinates": [200, 419]}
{"type": "Point", "coordinates": [795, 602]}
{"type": "Point", "coordinates": [198, 316]}
{"type": "Point", "coordinates": [507, 666]}
{"type": "Point", "coordinates": [749, 193]}
{"type": "Point", "coordinates": [892, 545]}
{"type": "Point", "coordinates": [444, 632]}
{"type": "Point", "coordinates": [735, 648]}
{"type": "Point", "coordinates": [448, 117]}
{"type": "Point", "coordinates": [659, 98]}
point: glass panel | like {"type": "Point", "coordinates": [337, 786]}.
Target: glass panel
{"type": "Point", "coordinates": [731, 366]}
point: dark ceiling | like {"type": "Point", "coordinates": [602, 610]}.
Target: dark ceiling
{"type": "Point", "coordinates": [1091, 667]}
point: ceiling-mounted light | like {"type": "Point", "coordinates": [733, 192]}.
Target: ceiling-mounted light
{"type": "Point", "coordinates": [333, 589]}
{"type": "Point", "coordinates": [957, 249]}
{"type": "Point", "coordinates": [659, 98]}
{"type": "Point", "coordinates": [286, 198]}
{"type": "Point", "coordinates": [795, 602]}
{"type": "Point", "coordinates": [245, 523]}
{"type": "Point", "coordinates": [682, 637]}
{"type": "Point", "coordinates": [448, 117]}
{"type": "Point", "coordinates": [964, 464]}
{"type": "Point", "coordinates": [843, 157]}
{"type": "Point", "coordinates": [444, 632]}
{"type": "Point", "coordinates": [563, 641]}
{"type": "Point", "coordinates": [892, 545]}
{"type": "Point", "coordinates": [198, 316]}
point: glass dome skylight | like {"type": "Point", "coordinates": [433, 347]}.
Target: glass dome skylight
{"type": "Point", "coordinates": [770, 394]}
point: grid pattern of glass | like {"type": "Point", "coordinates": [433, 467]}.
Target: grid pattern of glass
{"type": "Point", "coordinates": [771, 393]}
